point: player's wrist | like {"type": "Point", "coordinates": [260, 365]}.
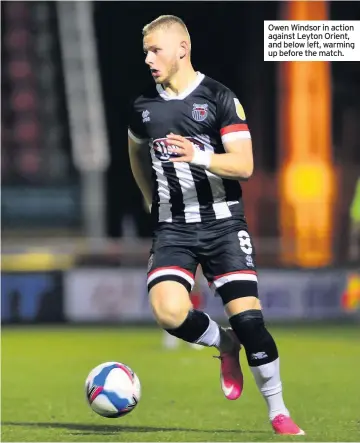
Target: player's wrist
{"type": "Point", "coordinates": [201, 158]}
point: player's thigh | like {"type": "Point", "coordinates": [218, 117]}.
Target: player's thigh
{"type": "Point", "coordinates": [171, 277]}
{"type": "Point", "coordinates": [170, 303]}
{"type": "Point", "coordinates": [230, 267]}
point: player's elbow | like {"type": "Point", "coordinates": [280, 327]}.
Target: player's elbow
{"type": "Point", "coordinates": [243, 166]}
{"type": "Point", "coordinates": [246, 171]}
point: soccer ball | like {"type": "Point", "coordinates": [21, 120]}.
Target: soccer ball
{"type": "Point", "coordinates": [112, 389]}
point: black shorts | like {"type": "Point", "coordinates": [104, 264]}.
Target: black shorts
{"type": "Point", "coordinates": [223, 248]}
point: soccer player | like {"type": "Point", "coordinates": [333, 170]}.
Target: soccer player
{"type": "Point", "coordinates": [189, 146]}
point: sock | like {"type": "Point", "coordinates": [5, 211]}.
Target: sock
{"type": "Point", "coordinates": [211, 337]}
{"type": "Point", "coordinates": [226, 341]}
{"type": "Point", "coordinates": [216, 336]}
{"type": "Point", "coordinates": [267, 378]}
{"type": "Point", "coordinates": [199, 328]}
{"type": "Point", "coordinates": [262, 356]}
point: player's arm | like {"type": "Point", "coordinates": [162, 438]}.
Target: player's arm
{"type": "Point", "coordinates": [237, 162]}
{"type": "Point", "coordinates": [139, 153]}
{"type": "Point", "coordinates": [141, 167]}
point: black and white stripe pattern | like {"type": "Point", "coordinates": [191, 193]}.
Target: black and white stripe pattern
{"type": "Point", "coordinates": [189, 194]}
{"type": "Point", "coordinates": [186, 193]}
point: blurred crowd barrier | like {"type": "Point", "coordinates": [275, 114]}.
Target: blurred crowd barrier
{"type": "Point", "coordinates": [102, 293]}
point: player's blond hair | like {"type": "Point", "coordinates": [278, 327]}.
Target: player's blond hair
{"type": "Point", "coordinates": [165, 22]}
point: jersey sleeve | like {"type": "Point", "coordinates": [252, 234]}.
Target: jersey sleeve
{"type": "Point", "coordinates": [136, 129]}
{"type": "Point", "coordinates": [231, 117]}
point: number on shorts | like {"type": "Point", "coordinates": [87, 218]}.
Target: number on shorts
{"type": "Point", "coordinates": [245, 242]}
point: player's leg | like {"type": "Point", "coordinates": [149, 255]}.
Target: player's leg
{"type": "Point", "coordinates": [247, 322]}
{"type": "Point", "coordinates": [170, 280]}
{"type": "Point", "coordinates": [174, 312]}
{"type": "Point", "coordinates": [196, 298]}
{"type": "Point", "coordinates": [231, 269]}
{"type": "Point", "coordinates": [170, 341]}
{"type": "Point", "coordinates": [231, 376]}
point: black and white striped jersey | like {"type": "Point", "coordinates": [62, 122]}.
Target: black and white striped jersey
{"type": "Point", "coordinates": [208, 114]}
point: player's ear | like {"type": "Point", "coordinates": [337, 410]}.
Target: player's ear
{"type": "Point", "coordinates": [184, 49]}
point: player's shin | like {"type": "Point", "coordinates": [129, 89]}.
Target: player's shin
{"type": "Point", "coordinates": [262, 356]}
{"type": "Point", "coordinates": [199, 328]}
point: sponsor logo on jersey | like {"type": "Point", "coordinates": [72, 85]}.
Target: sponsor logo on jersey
{"type": "Point", "coordinates": [239, 109]}
{"type": "Point", "coordinates": [205, 138]}
{"type": "Point", "coordinates": [161, 148]}
{"type": "Point", "coordinates": [200, 112]}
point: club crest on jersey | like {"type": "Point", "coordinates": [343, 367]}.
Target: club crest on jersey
{"type": "Point", "coordinates": [200, 112]}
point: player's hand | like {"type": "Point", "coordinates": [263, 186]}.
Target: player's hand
{"type": "Point", "coordinates": [182, 147]}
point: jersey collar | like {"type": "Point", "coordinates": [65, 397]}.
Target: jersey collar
{"type": "Point", "coordinates": [191, 88]}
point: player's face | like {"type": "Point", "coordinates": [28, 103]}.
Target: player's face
{"type": "Point", "coordinates": [162, 55]}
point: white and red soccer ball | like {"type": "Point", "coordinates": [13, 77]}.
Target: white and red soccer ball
{"type": "Point", "coordinates": [112, 389]}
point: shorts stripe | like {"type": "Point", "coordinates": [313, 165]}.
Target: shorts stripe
{"type": "Point", "coordinates": [171, 270]}
{"type": "Point", "coordinates": [171, 277]}
{"type": "Point", "coordinates": [221, 280]}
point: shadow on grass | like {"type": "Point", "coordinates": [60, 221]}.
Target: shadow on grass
{"type": "Point", "coordinates": [104, 429]}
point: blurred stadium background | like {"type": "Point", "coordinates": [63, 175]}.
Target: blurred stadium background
{"type": "Point", "coordinates": [75, 235]}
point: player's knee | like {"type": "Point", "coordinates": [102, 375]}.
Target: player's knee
{"type": "Point", "coordinates": [250, 329]}
{"type": "Point", "coordinates": [242, 304]}
{"type": "Point", "coordinates": [170, 304]}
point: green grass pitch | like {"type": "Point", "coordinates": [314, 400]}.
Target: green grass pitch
{"type": "Point", "coordinates": [44, 369]}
